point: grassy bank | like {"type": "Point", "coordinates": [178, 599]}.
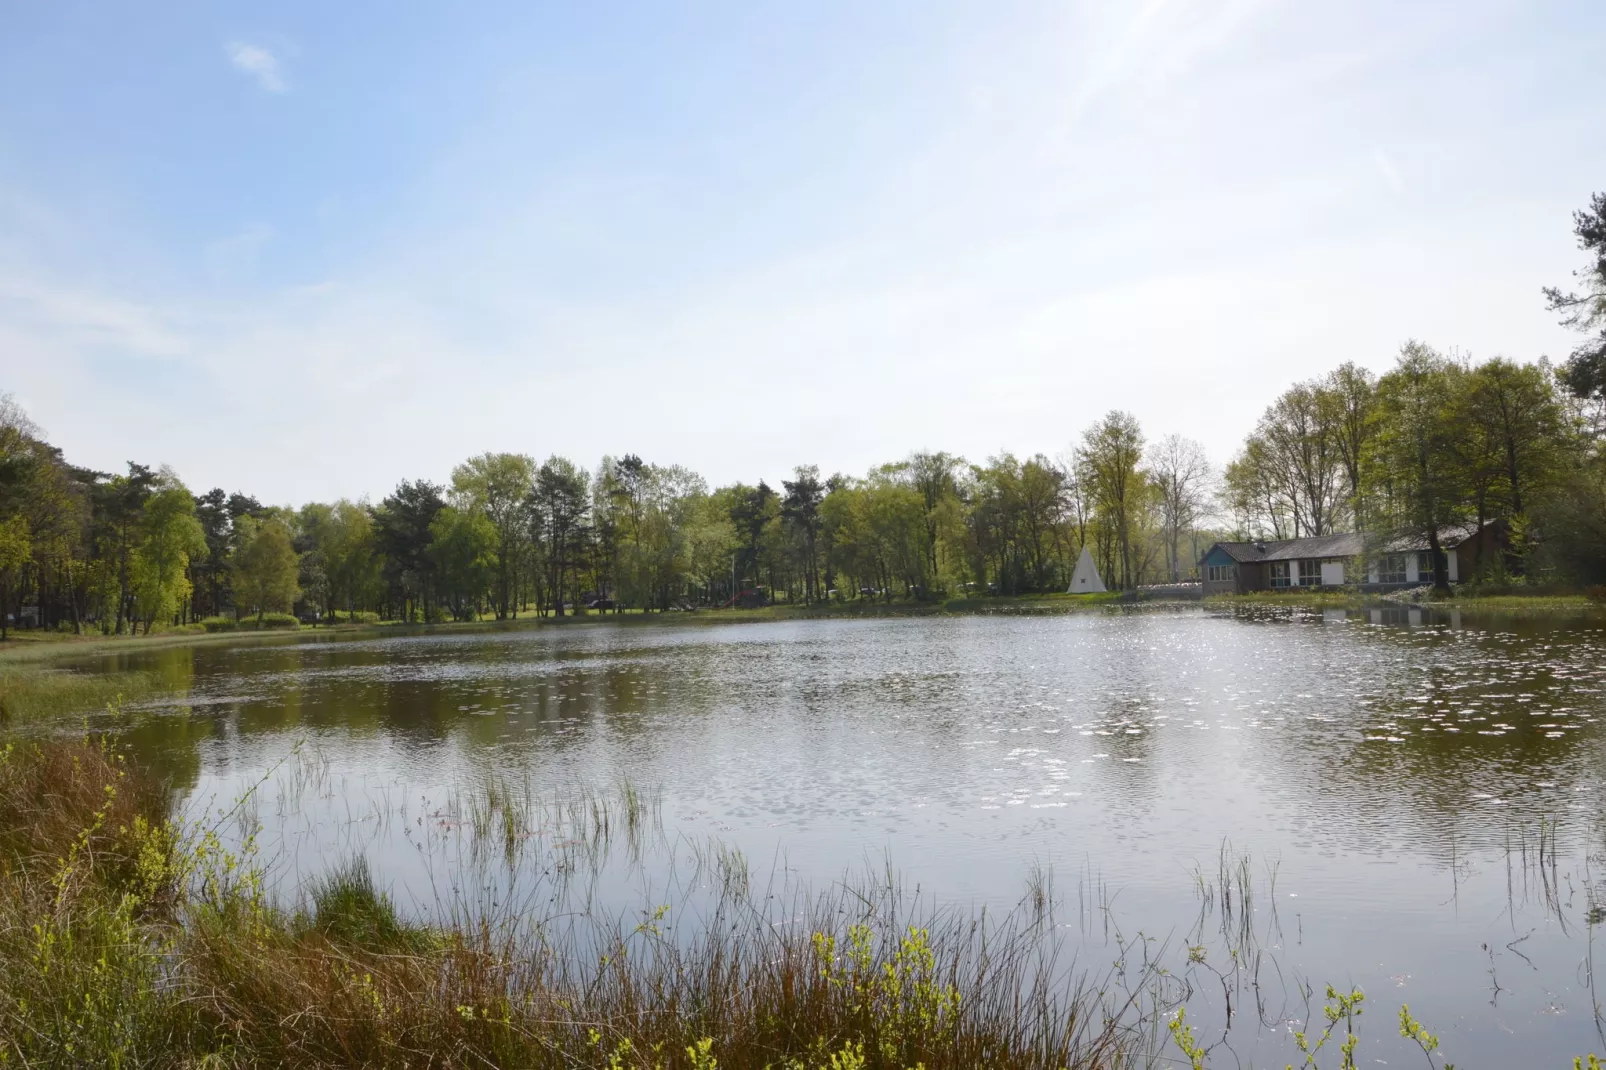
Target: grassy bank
{"type": "Point", "coordinates": [1054, 602]}
{"type": "Point", "coordinates": [40, 646]}
{"type": "Point", "coordinates": [1538, 603]}
{"type": "Point", "coordinates": [127, 942]}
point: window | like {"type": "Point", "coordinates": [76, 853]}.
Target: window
{"type": "Point", "coordinates": [1391, 568]}
{"type": "Point", "coordinates": [1424, 566]}
{"type": "Point", "coordinates": [1310, 572]}
{"type": "Point", "coordinates": [1219, 573]}
{"type": "Point", "coordinates": [1277, 573]}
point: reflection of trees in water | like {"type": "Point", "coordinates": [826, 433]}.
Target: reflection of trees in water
{"type": "Point", "coordinates": [1406, 768]}
{"type": "Point", "coordinates": [169, 744]}
{"type": "Point", "coordinates": [813, 693]}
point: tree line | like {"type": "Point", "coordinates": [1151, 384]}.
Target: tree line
{"type": "Point", "coordinates": [1442, 441]}
{"type": "Point", "coordinates": [1436, 441]}
{"type": "Point", "coordinates": [508, 534]}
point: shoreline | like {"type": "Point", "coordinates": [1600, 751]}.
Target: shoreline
{"type": "Point", "coordinates": [24, 649]}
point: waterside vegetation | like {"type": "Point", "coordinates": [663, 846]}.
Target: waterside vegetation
{"type": "Point", "coordinates": [129, 938]}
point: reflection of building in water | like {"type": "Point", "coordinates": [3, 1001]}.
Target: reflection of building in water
{"type": "Point", "coordinates": [1349, 559]}
{"type": "Point", "coordinates": [1413, 616]}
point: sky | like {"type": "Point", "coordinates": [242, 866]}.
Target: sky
{"type": "Point", "coordinates": [307, 250]}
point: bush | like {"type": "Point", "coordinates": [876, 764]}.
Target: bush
{"type": "Point", "coordinates": [250, 624]}
{"type": "Point", "coordinates": [274, 620]}
{"type": "Point", "coordinates": [360, 616]}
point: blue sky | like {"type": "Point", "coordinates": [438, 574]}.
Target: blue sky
{"type": "Point", "coordinates": [307, 250]}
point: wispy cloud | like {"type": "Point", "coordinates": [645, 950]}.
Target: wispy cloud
{"type": "Point", "coordinates": [259, 63]}
{"type": "Point", "coordinates": [1387, 171]}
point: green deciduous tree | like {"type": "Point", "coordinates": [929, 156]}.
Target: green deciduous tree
{"type": "Point", "coordinates": [265, 567]}
{"type": "Point", "coordinates": [1512, 436]}
{"type": "Point", "coordinates": [464, 546]}
{"type": "Point", "coordinates": [1418, 474]}
{"type": "Point", "coordinates": [1108, 462]}
{"type": "Point", "coordinates": [170, 536]}
{"type": "Point", "coordinates": [497, 486]}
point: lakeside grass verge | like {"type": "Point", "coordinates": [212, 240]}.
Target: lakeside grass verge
{"type": "Point", "coordinates": [34, 648]}
{"type": "Point", "coordinates": [1546, 604]}
{"type": "Point", "coordinates": [1028, 604]}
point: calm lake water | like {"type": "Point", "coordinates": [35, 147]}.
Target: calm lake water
{"type": "Point", "coordinates": [1420, 801]}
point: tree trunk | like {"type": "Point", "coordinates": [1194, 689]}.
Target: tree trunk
{"type": "Point", "coordinates": [1441, 568]}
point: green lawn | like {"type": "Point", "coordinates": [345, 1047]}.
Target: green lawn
{"type": "Point", "coordinates": [1539, 602]}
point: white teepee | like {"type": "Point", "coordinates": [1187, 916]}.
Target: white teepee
{"type": "Point", "coordinates": [1085, 580]}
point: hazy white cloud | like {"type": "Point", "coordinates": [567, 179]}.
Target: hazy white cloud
{"type": "Point", "coordinates": [237, 254]}
{"type": "Point", "coordinates": [89, 318]}
{"type": "Point", "coordinates": [1390, 173]}
{"type": "Point", "coordinates": [1148, 48]}
{"type": "Point", "coordinates": [259, 63]}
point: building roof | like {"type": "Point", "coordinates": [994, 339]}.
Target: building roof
{"type": "Point", "coordinates": [1349, 544]}
{"type": "Point", "coordinates": [1449, 538]}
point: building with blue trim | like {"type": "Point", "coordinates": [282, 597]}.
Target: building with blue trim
{"type": "Point", "coordinates": [1346, 560]}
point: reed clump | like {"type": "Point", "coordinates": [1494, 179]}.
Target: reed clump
{"type": "Point", "coordinates": [128, 940]}
{"type": "Point", "coordinates": [35, 693]}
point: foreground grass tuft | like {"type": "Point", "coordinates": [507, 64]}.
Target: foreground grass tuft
{"type": "Point", "coordinates": [348, 909]}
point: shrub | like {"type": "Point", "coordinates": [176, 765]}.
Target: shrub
{"type": "Point", "coordinates": [275, 620]}
{"type": "Point", "coordinates": [358, 616]}
{"type": "Point", "coordinates": [250, 624]}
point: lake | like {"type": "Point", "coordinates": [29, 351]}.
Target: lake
{"type": "Point", "coordinates": [1412, 804]}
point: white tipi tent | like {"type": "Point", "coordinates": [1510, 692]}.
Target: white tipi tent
{"type": "Point", "coordinates": [1085, 580]}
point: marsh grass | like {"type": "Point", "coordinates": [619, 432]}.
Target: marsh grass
{"type": "Point", "coordinates": [33, 693]}
{"type": "Point", "coordinates": [348, 908]}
